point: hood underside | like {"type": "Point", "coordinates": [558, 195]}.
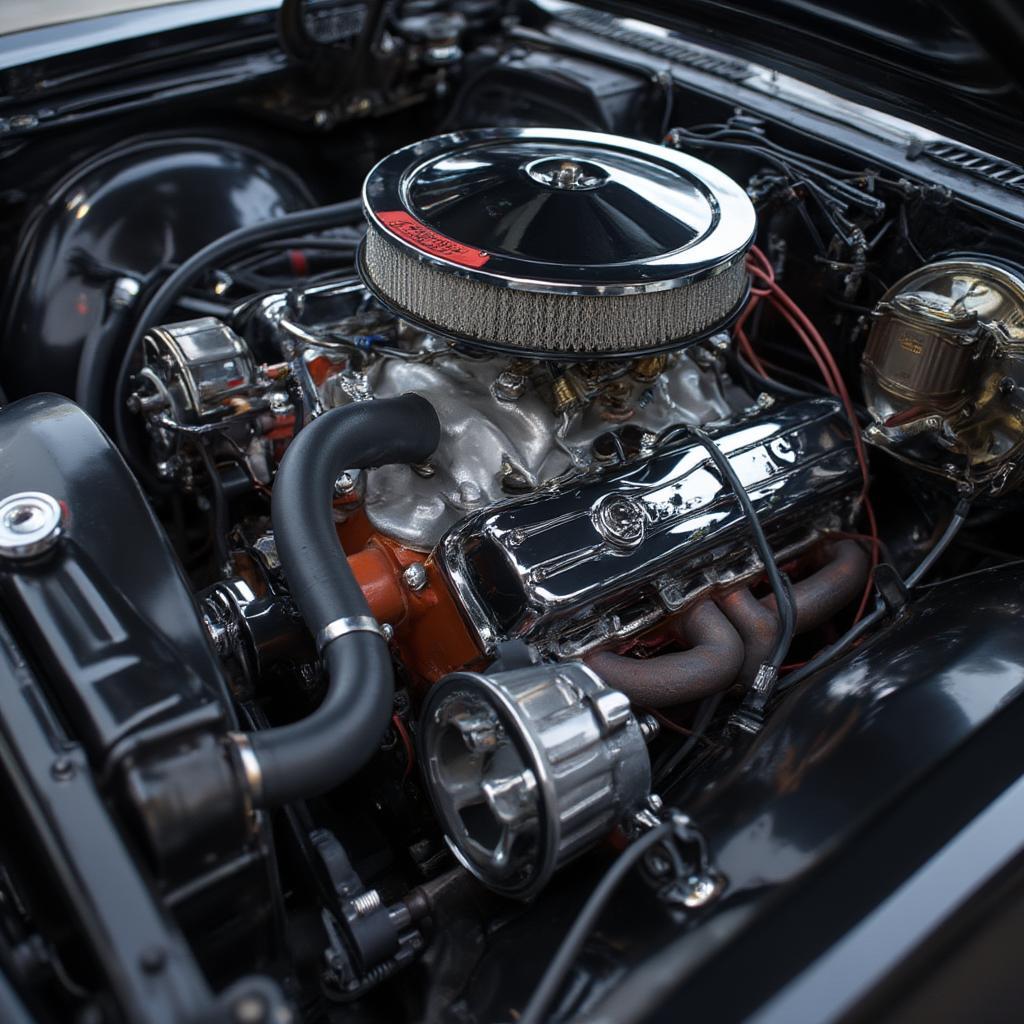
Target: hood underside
{"type": "Point", "coordinates": [949, 67]}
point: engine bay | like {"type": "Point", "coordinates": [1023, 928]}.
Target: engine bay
{"type": "Point", "coordinates": [403, 540]}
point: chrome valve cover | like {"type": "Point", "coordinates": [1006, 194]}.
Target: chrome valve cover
{"type": "Point", "coordinates": [612, 552]}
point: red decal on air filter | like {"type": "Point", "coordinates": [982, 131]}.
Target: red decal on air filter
{"type": "Point", "coordinates": [410, 230]}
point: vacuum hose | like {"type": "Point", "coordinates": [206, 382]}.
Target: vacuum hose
{"type": "Point", "coordinates": [308, 757]}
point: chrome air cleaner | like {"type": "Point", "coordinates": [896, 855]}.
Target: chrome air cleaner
{"type": "Point", "coordinates": [553, 242]}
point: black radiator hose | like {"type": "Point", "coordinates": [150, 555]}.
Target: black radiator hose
{"type": "Point", "coordinates": [320, 751]}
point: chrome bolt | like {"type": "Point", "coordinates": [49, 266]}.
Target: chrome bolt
{"type": "Point", "coordinates": [124, 292]}
{"type": "Point", "coordinates": [509, 386]}
{"type": "Point", "coordinates": [345, 484]}
{"type": "Point", "coordinates": [167, 469]}
{"type": "Point", "coordinates": [415, 576]}
{"type": "Point", "coordinates": [265, 547]}
{"type": "Point", "coordinates": [388, 631]}
{"type": "Point", "coordinates": [657, 863]}
{"type": "Point", "coordinates": [424, 469]}
{"type": "Point", "coordinates": [219, 635]}
{"type": "Point", "coordinates": [649, 727]}
{"type": "Point", "coordinates": [279, 402]}
{"type": "Point", "coordinates": [30, 524]}
{"type": "Point", "coordinates": [699, 890]}
{"type": "Point", "coordinates": [469, 493]}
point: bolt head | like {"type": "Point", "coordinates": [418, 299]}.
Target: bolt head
{"type": "Point", "coordinates": [30, 524]}
{"type": "Point", "coordinates": [509, 386]}
{"type": "Point", "coordinates": [250, 1010]}
{"type": "Point", "coordinates": [415, 576]}
{"type": "Point", "coordinates": [699, 890]}
{"type": "Point", "coordinates": [469, 493]}
{"type": "Point", "coordinates": [345, 484]}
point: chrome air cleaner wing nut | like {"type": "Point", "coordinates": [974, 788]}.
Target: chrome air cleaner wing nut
{"type": "Point", "coordinates": [529, 767]}
{"type": "Point", "coordinates": [556, 243]}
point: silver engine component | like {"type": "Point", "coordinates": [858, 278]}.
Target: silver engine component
{"type": "Point", "coordinates": [502, 435]}
{"type": "Point", "coordinates": [197, 367]}
{"type": "Point", "coordinates": [529, 767]}
{"type": "Point", "coordinates": [611, 553]}
{"type": "Point", "coordinates": [200, 380]}
{"type": "Point", "coordinates": [944, 370]}
{"type": "Point", "coordinates": [550, 241]}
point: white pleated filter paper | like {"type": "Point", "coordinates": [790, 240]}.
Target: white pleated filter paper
{"type": "Point", "coordinates": [549, 322]}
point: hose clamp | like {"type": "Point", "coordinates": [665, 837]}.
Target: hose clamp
{"type": "Point", "coordinates": [249, 764]}
{"type": "Point", "coordinates": [350, 624]}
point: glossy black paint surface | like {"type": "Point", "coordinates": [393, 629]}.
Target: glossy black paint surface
{"type": "Point", "coordinates": [861, 777]}
{"type": "Point", "coordinates": [108, 612]}
{"type": "Point", "coordinates": [140, 206]}
{"type": "Point", "coordinates": [928, 63]}
{"type": "Point", "coordinates": [78, 852]}
{"type": "Point", "coordinates": [849, 739]}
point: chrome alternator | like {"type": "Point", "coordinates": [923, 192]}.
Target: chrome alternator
{"type": "Point", "coordinates": [529, 767]}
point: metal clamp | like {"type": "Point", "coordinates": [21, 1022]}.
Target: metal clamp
{"type": "Point", "coordinates": [351, 624]}
{"type": "Point", "coordinates": [249, 764]}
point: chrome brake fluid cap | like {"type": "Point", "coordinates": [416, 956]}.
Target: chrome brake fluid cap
{"type": "Point", "coordinates": [556, 242]}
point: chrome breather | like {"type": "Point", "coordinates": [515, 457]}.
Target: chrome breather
{"type": "Point", "coordinates": [529, 767]}
{"type": "Point", "coordinates": [556, 242]}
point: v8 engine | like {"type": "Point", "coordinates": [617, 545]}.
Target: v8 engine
{"type": "Point", "coordinates": [508, 509]}
{"type": "Point", "coordinates": [562, 301]}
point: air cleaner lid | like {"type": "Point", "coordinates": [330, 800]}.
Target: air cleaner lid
{"type": "Point", "coordinates": [541, 209]}
{"type": "Point", "coordinates": [556, 243]}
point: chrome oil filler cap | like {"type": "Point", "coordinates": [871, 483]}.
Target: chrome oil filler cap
{"type": "Point", "coordinates": [30, 525]}
{"type": "Point", "coordinates": [553, 242]}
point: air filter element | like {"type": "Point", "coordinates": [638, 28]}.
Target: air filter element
{"type": "Point", "coordinates": [556, 243]}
